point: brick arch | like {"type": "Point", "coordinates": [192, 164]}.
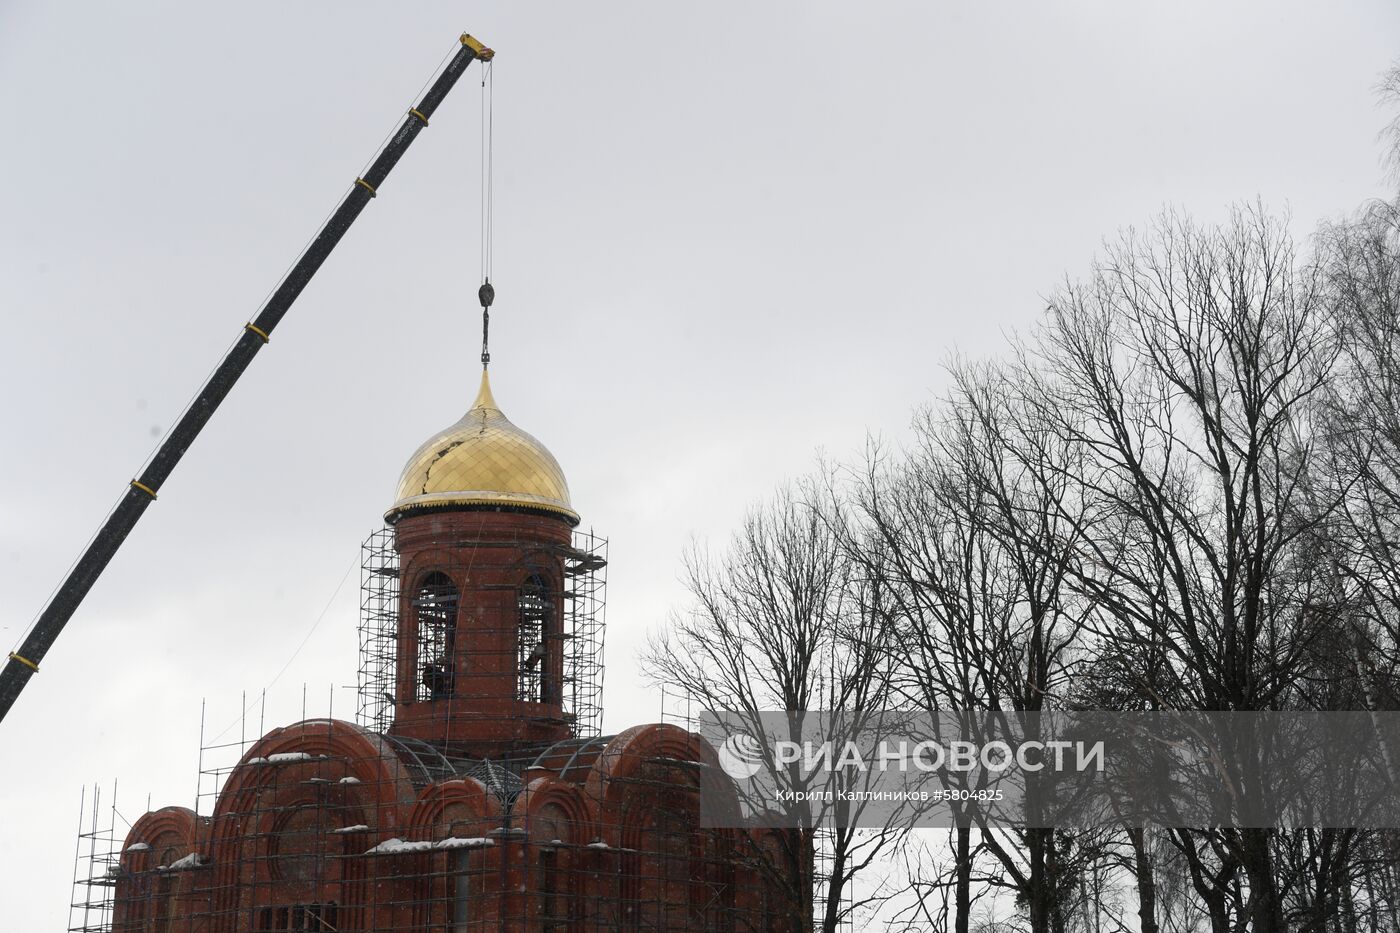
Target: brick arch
{"type": "Point", "coordinates": [647, 783]}
{"type": "Point", "coordinates": [170, 832]}
{"type": "Point", "coordinates": [361, 754]}
{"type": "Point", "coordinates": [261, 796]}
{"type": "Point", "coordinates": [552, 800]}
{"type": "Point", "coordinates": [442, 808]}
{"type": "Point", "coordinates": [163, 838]}
{"type": "Point", "coordinates": [423, 564]}
{"type": "Point", "coordinates": [620, 788]}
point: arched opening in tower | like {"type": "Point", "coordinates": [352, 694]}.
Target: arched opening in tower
{"type": "Point", "coordinates": [435, 613]}
{"type": "Point", "coordinates": [535, 679]}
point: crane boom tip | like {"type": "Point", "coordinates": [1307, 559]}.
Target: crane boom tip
{"type": "Point", "coordinates": [482, 52]}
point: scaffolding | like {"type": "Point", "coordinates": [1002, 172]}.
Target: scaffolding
{"type": "Point", "coordinates": [578, 597]}
{"type": "Point", "coordinates": [585, 571]}
{"type": "Point", "coordinates": [96, 863]}
{"type": "Point", "coordinates": [378, 629]}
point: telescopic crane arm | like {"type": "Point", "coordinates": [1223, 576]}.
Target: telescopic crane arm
{"type": "Point", "coordinates": [22, 664]}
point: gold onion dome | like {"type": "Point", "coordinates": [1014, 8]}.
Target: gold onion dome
{"type": "Point", "coordinates": [483, 461]}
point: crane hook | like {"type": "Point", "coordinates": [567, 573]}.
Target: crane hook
{"type": "Point", "coordinates": [486, 294]}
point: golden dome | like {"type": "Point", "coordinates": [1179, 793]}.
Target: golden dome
{"type": "Point", "coordinates": [483, 460]}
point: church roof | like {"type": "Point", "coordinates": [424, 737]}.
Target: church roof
{"type": "Point", "coordinates": [483, 460]}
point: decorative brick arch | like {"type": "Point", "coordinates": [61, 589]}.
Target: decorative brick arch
{"type": "Point", "coordinates": [550, 808]}
{"type": "Point", "coordinates": [149, 891]}
{"type": "Point", "coordinates": [164, 836]}
{"type": "Point", "coordinates": [268, 836]}
{"type": "Point", "coordinates": [619, 787]}
{"type": "Point", "coordinates": [462, 807]}
{"type": "Point", "coordinates": [336, 750]}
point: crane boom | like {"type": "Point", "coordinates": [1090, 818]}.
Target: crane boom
{"type": "Point", "coordinates": [22, 664]}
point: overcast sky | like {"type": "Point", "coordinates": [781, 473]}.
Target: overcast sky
{"type": "Point", "coordinates": [727, 236]}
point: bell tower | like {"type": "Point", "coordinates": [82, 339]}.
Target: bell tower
{"type": "Point", "coordinates": [482, 526]}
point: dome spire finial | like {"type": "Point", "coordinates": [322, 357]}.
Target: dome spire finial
{"type": "Point", "coordinates": [484, 398]}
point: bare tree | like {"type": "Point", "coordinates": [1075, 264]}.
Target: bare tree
{"type": "Point", "coordinates": [781, 623]}
{"type": "Point", "coordinates": [975, 546]}
{"type": "Point", "coordinates": [1190, 368]}
{"type": "Point", "coordinates": [1154, 478]}
{"type": "Point", "coordinates": [1360, 260]}
{"type": "Point", "coordinates": [1389, 92]}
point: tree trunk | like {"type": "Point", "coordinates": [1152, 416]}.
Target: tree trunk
{"type": "Point", "coordinates": [962, 889]}
{"type": "Point", "coordinates": [835, 884]}
{"type": "Point", "coordinates": [1146, 880]}
{"type": "Point", "coordinates": [1266, 913]}
{"type": "Point", "coordinates": [1210, 887]}
{"type": "Point", "coordinates": [1052, 885]}
{"type": "Point", "coordinates": [1038, 896]}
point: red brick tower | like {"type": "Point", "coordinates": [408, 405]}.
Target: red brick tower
{"type": "Point", "coordinates": [481, 524]}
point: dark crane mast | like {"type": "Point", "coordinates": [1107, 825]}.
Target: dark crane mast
{"type": "Point", "coordinates": [22, 664]}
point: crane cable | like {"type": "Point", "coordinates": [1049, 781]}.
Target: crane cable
{"type": "Point", "coordinates": [487, 292]}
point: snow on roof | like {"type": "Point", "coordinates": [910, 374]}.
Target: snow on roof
{"type": "Point", "coordinates": [193, 860]}
{"type": "Point", "coordinates": [397, 846]}
{"type": "Point", "coordinates": [288, 756]}
{"type": "Point", "coordinates": [283, 758]}
{"type": "Point", "coordinates": [357, 828]}
{"type": "Point", "coordinates": [458, 842]}
{"type": "Point", "coordinates": [138, 847]}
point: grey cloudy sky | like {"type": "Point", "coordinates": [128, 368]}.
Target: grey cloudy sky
{"type": "Point", "coordinates": [727, 235]}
